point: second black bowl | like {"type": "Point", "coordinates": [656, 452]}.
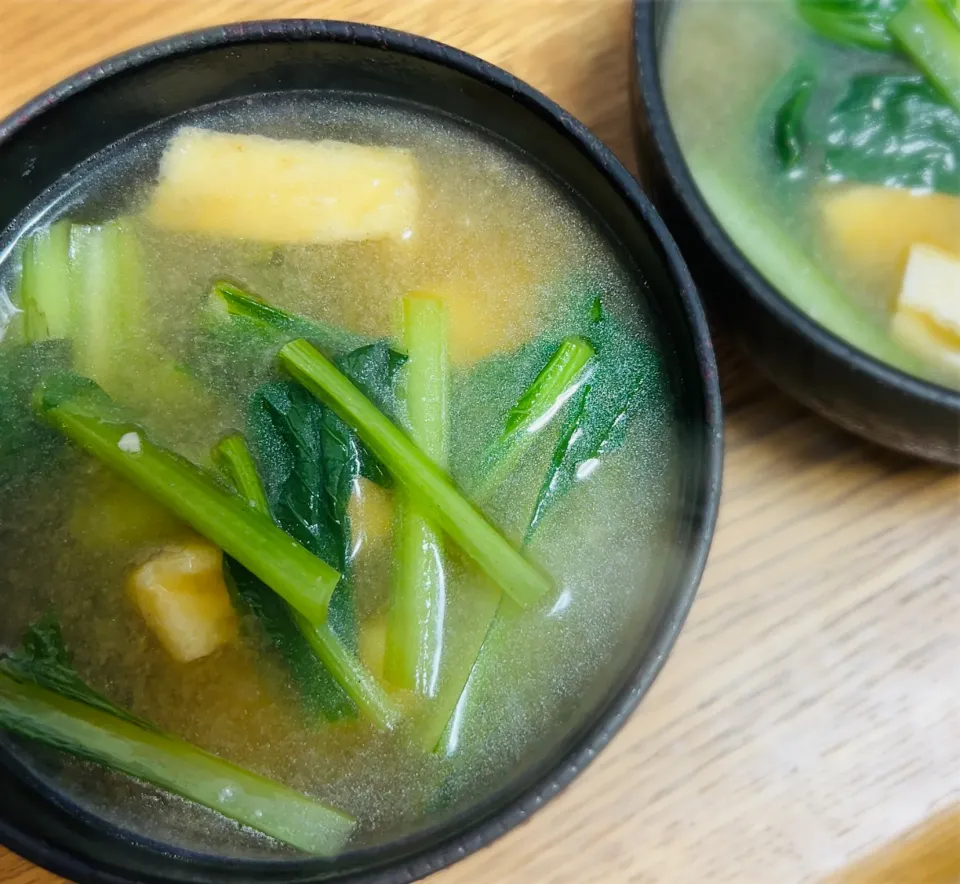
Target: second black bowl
{"type": "Point", "coordinates": [802, 357]}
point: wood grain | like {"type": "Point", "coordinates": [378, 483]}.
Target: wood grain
{"type": "Point", "coordinates": [810, 713]}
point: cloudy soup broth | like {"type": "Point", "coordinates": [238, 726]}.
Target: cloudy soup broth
{"type": "Point", "coordinates": [463, 297]}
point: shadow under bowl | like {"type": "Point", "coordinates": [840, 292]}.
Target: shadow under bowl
{"type": "Point", "coordinates": [48, 138]}
{"type": "Point", "coordinates": [804, 359]}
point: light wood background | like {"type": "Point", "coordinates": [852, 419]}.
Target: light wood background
{"type": "Point", "coordinates": [810, 713]}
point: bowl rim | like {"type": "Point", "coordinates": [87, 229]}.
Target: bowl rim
{"type": "Point", "coordinates": [682, 183]}
{"type": "Point", "coordinates": [572, 759]}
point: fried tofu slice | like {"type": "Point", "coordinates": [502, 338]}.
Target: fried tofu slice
{"type": "Point", "coordinates": [284, 191]}
{"type": "Point", "coordinates": [184, 601]}
{"type": "Point", "coordinates": [927, 319]}
{"type": "Point", "coordinates": [872, 229]}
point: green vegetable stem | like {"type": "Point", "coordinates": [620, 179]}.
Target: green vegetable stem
{"type": "Point", "coordinates": [84, 283]}
{"type": "Point", "coordinates": [540, 404]}
{"type": "Point", "coordinates": [42, 698]}
{"type": "Point", "coordinates": [45, 294]}
{"type": "Point", "coordinates": [233, 458]}
{"type": "Point", "coordinates": [929, 33]}
{"type": "Point", "coordinates": [860, 23]}
{"type": "Point", "coordinates": [417, 602]}
{"type": "Point", "coordinates": [108, 303]}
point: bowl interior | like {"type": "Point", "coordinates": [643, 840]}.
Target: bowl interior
{"type": "Point", "coordinates": [87, 115]}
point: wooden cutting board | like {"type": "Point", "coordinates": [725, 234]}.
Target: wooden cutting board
{"type": "Point", "coordinates": [810, 714]}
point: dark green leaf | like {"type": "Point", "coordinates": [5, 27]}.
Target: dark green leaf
{"type": "Point", "coordinates": [853, 22]}
{"type": "Point", "coordinates": [375, 369]}
{"type": "Point", "coordinates": [27, 445]}
{"type": "Point", "coordinates": [310, 460]}
{"type": "Point", "coordinates": [43, 660]}
{"type": "Point", "coordinates": [790, 138]}
{"type": "Point", "coordinates": [895, 131]}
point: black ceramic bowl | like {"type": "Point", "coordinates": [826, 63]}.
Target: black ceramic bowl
{"type": "Point", "coordinates": [808, 362]}
{"type": "Point", "coordinates": [45, 140]}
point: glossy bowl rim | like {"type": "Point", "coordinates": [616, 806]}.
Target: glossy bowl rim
{"type": "Point", "coordinates": [608, 720]}
{"type": "Point", "coordinates": [683, 185]}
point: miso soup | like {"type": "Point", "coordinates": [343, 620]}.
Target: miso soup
{"type": "Point", "coordinates": [337, 469]}
{"type": "Point", "coordinates": [825, 137]}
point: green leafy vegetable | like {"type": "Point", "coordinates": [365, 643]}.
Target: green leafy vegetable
{"type": "Point", "coordinates": [790, 136]}
{"type": "Point", "coordinates": [311, 461]}
{"type": "Point", "coordinates": [895, 131]}
{"type": "Point", "coordinates": [929, 33]}
{"type": "Point", "coordinates": [43, 698]}
{"type": "Point", "coordinates": [376, 370]}
{"type": "Point", "coordinates": [234, 460]}
{"type": "Point", "coordinates": [854, 22]}
{"type": "Point", "coordinates": [417, 600]}
{"type": "Point", "coordinates": [566, 378]}
{"type": "Point", "coordinates": [319, 692]}
{"type": "Point", "coordinates": [625, 377]}
{"type": "Point", "coordinates": [418, 475]}
{"type": "Point", "coordinates": [373, 367]}
{"type": "Point", "coordinates": [560, 380]}
{"type": "Point", "coordinates": [83, 412]}
{"type": "Point", "coordinates": [347, 670]}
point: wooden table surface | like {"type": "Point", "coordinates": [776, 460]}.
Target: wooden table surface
{"type": "Point", "coordinates": [810, 713]}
